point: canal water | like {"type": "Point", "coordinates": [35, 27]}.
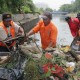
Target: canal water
{"type": "Point", "coordinates": [64, 34]}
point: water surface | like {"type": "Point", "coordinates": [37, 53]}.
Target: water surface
{"type": "Point", "coordinates": [64, 34]}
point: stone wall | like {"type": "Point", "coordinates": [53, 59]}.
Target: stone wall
{"type": "Point", "coordinates": [27, 21]}
{"type": "Point", "coordinates": [29, 24]}
{"type": "Point", "coordinates": [18, 17]}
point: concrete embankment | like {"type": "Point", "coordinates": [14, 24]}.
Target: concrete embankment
{"type": "Point", "coordinates": [27, 21]}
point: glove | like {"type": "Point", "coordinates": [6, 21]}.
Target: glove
{"type": "Point", "coordinates": [67, 18]}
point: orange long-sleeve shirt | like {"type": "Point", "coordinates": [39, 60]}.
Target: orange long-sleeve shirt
{"type": "Point", "coordinates": [48, 33]}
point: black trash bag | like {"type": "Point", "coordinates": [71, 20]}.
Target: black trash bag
{"type": "Point", "coordinates": [11, 74]}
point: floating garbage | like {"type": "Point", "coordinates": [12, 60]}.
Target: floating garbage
{"type": "Point", "coordinates": [70, 66]}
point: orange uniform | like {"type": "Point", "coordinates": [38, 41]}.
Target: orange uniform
{"type": "Point", "coordinates": [12, 32]}
{"type": "Point", "coordinates": [48, 33]}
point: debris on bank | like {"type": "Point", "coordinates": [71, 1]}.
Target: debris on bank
{"type": "Point", "coordinates": [55, 64]}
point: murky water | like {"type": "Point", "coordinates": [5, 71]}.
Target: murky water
{"type": "Point", "coordinates": [64, 35]}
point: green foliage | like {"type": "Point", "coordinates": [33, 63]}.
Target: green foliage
{"type": "Point", "coordinates": [32, 69]}
{"type": "Point", "coordinates": [66, 7]}
{"type": "Point", "coordinates": [49, 9]}
{"type": "Point", "coordinates": [73, 7]}
{"type": "Point", "coordinates": [41, 10]}
{"type": "Point", "coordinates": [16, 6]}
{"type": "Point", "coordinates": [26, 9]}
{"type": "Point", "coordinates": [46, 74]}
{"type": "Point", "coordinates": [77, 5]}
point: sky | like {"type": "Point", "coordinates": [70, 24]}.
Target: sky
{"type": "Point", "coordinates": [54, 4]}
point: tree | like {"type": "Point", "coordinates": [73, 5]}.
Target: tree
{"type": "Point", "coordinates": [77, 5]}
{"type": "Point", "coordinates": [49, 9]}
{"type": "Point", "coordinates": [66, 7]}
{"type": "Point", "coordinates": [16, 6]}
{"type": "Point", "coordinates": [73, 7]}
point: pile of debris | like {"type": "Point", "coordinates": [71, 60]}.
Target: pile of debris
{"type": "Point", "coordinates": [55, 64]}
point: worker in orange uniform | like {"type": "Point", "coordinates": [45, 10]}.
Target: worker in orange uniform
{"type": "Point", "coordinates": [8, 29]}
{"type": "Point", "coordinates": [48, 31]}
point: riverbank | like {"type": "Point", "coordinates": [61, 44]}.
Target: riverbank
{"type": "Point", "coordinates": [72, 14]}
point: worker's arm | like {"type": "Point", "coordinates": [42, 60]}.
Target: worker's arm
{"type": "Point", "coordinates": [18, 29]}
{"type": "Point", "coordinates": [21, 31]}
{"type": "Point", "coordinates": [30, 33]}
{"type": "Point", "coordinates": [35, 29]}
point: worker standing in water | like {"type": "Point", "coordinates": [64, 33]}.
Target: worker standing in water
{"type": "Point", "coordinates": [48, 31]}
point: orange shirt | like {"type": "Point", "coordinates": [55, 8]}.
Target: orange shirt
{"type": "Point", "coordinates": [48, 33]}
{"type": "Point", "coordinates": [12, 32]}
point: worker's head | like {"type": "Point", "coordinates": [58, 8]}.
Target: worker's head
{"type": "Point", "coordinates": [47, 16]}
{"type": "Point", "coordinates": [78, 16]}
{"type": "Point", "coordinates": [6, 17]}
{"type": "Point", "coordinates": [67, 18]}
